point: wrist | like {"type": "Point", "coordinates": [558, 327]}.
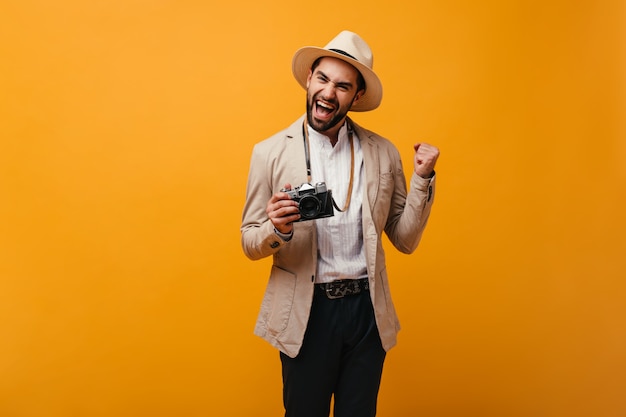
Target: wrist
{"type": "Point", "coordinates": [427, 176]}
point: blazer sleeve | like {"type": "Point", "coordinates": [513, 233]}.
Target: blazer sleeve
{"type": "Point", "coordinates": [258, 237]}
{"type": "Point", "coordinates": [409, 213]}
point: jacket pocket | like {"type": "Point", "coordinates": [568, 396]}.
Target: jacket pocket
{"type": "Point", "coordinates": [281, 290]}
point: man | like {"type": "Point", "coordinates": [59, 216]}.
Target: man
{"type": "Point", "coordinates": [327, 306]}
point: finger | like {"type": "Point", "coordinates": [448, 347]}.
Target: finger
{"type": "Point", "coordinates": [283, 221]}
{"type": "Point", "coordinates": [282, 208]}
{"type": "Point", "coordinates": [427, 152]}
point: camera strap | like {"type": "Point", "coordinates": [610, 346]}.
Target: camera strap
{"type": "Point", "coordinates": [307, 153]}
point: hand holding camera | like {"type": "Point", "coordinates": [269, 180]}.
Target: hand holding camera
{"type": "Point", "coordinates": [282, 211]}
{"type": "Point", "coordinates": [306, 202]}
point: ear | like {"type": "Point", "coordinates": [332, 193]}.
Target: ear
{"type": "Point", "coordinates": [358, 95]}
{"type": "Point", "coordinates": [308, 78]}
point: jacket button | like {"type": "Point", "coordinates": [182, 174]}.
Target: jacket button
{"type": "Point", "coordinates": [274, 245]}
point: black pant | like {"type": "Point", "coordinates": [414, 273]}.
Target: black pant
{"type": "Point", "coordinates": [341, 355]}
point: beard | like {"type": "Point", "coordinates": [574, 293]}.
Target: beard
{"type": "Point", "coordinates": [323, 126]}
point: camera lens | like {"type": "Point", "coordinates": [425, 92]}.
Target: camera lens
{"type": "Point", "coordinates": [309, 206]}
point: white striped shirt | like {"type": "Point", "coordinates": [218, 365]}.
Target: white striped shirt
{"type": "Point", "coordinates": [341, 254]}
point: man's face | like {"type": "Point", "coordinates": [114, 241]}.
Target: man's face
{"type": "Point", "coordinates": [331, 91]}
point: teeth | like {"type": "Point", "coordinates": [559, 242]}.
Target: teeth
{"type": "Point", "coordinates": [319, 103]}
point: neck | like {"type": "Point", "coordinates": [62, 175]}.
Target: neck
{"type": "Point", "coordinates": [333, 133]}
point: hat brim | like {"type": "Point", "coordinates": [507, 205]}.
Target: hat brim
{"type": "Point", "coordinates": [304, 58]}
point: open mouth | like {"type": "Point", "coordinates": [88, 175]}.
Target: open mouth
{"type": "Point", "coordinates": [323, 109]}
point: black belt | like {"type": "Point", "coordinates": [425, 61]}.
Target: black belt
{"type": "Point", "coordinates": [343, 287]}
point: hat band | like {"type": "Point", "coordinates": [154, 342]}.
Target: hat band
{"type": "Point", "coordinates": [339, 51]}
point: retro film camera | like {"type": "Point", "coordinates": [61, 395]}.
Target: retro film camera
{"type": "Point", "coordinates": [315, 202]}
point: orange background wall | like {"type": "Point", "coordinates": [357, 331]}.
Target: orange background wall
{"type": "Point", "coordinates": [126, 128]}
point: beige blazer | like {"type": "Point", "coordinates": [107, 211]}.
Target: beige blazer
{"type": "Point", "coordinates": [280, 159]}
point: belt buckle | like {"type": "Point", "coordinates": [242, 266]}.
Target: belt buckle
{"type": "Point", "coordinates": [340, 289]}
{"type": "Point", "coordinates": [328, 289]}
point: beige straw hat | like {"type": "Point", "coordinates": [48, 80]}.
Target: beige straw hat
{"type": "Point", "coordinates": [348, 47]}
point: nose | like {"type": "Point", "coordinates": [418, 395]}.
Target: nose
{"type": "Point", "coordinates": [329, 91]}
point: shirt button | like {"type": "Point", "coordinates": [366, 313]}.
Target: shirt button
{"type": "Point", "coordinates": [274, 245]}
